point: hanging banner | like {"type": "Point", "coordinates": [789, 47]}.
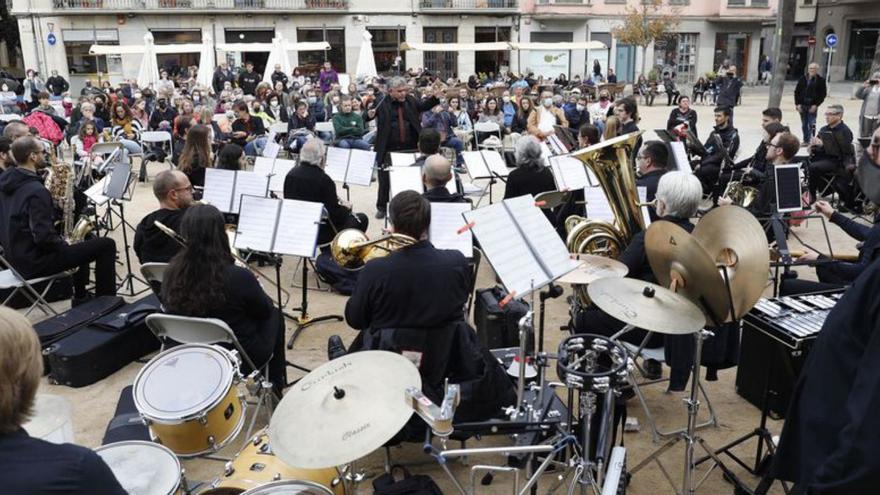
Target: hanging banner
{"type": "Point", "coordinates": [549, 63]}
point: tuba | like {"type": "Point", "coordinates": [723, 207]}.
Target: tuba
{"type": "Point", "coordinates": [610, 163]}
{"type": "Point", "coordinates": [352, 249]}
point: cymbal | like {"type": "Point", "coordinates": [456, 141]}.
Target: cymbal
{"type": "Point", "coordinates": [734, 238]}
{"type": "Point", "coordinates": [646, 305]}
{"type": "Point", "coordinates": [343, 410]}
{"type": "Point", "coordinates": [593, 267]}
{"type": "Point", "coordinates": [678, 258]}
{"type": "Point", "coordinates": [551, 199]}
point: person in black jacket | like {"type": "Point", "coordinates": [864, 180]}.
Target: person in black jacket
{"type": "Point", "coordinates": [436, 173]}
{"type": "Point", "coordinates": [300, 127]}
{"type": "Point", "coordinates": [163, 116]}
{"type": "Point", "coordinates": [627, 112]}
{"type": "Point", "coordinates": [28, 235]}
{"type": "Point", "coordinates": [531, 175]}
{"type": "Point", "coordinates": [30, 465]}
{"type": "Point", "coordinates": [728, 88]}
{"type": "Point", "coordinates": [279, 76]}
{"type": "Point", "coordinates": [175, 194]}
{"type": "Point", "coordinates": [57, 85]}
{"type": "Point", "coordinates": [202, 280]}
{"type": "Point", "coordinates": [809, 94]}
{"type": "Point", "coordinates": [248, 80]}
{"type": "Point", "coordinates": [717, 152]}
{"type": "Point", "coordinates": [398, 122]}
{"type": "Point", "coordinates": [308, 182]}
{"type": "Point", "coordinates": [682, 114]}
{"type": "Point", "coordinates": [221, 76]}
{"type": "Point", "coordinates": [835, 160]}
{"type": "Point", "coordinates": [651, 162]}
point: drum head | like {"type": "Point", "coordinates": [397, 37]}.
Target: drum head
{"type": "Point", "coordinates": [292, 487]}
{"type": "Point", "coordinates": [142, 468]}
{"type": "Point", "coordinates": [183, 382]}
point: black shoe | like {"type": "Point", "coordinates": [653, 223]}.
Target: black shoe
{"type": "Point", "coordinates": [335, 347]}
{"type": "Point", "coordinates": [711, 374]}
{"type": "Point", "coordinates": [653, 369]}
{"type": "Point", "coordinates": [380, 214]}
{"type": "Point", "coordinates": [76, 301]}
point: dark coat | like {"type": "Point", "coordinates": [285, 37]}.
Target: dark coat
{"type": "Point", "coordinates": [677, 117]}
{"type": "Point", "coordinates": [810, 94]}
{"type": "Point", "coordinates": [442, 195]}
{"type": "Point", "coordinates": [845, 272]}
{"type": "Point", "coordinates": [151, 245]}
{"type": "Point", "coordinates": [307, 182]}
{"type": "Point", "coordinates": [650, 181]}
{"type": "Point", "coordinates": [412, 109]}
{"type": "Point", "coordinates": [728, 91]}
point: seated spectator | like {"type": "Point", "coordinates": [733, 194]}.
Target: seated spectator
{"type": "Point", "coordinates": [349, 127]}
{"type": "Point", "coordinates": [248, 131]}
{"type": "Point", "coordinates": [300, 127]}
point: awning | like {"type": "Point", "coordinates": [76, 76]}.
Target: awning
{"type": "Point", "coordinates": [265, 47]}
{"type": "Point", "coordinates": [455, 47]}
{"type": "Point", "coordinates": [562, 45]}
{"type": "Point", "coordinates": [129, 49]}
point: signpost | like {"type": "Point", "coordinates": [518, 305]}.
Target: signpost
{"type": "Point", "coordinates": [830, 41]}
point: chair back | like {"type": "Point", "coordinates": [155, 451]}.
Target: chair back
{"type": "Point", "coordinates": [105, 148]}
{"type": "Point", "coordinates": [323, 126]}
{"type": "Point", "coordinates": [192, 330]}
{"type": "Point", "coordinates": [156, 137]}
{"type": "Point", "coordinates": [278, 128]}
{"type": "Point", "coordinates": [487, 127]}
{"type": "Point", "coordinates": [154, 273]}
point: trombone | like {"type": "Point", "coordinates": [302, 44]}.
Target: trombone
{"type": "Point", "coordinates": [238, 259]}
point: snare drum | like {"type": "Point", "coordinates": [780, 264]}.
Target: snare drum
{"type": "Point", "coordinates": [189, 398]}
{"type": "Point", "coordinates": [256, 465]}
{"type": "Point", "coordinates": [289, 488]}
{"type": "Point", "coordinates": [143, 468]}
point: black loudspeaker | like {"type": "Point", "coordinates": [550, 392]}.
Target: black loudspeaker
{"type": "Point", "coordinates": [764, 361]}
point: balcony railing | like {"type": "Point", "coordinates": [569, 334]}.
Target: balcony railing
{"type": "Point", "coordinates": [565, 2]}
{"type": "Point", "coordinates": [468, 4]}
{"type": "Point", "coordinates": [200, 4]}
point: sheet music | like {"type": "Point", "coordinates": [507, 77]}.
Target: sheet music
{"type": "Point", "coordinates": [263, 165]}
{"type": "Point", "coordinates": [402, 159]}
{"type": "Point", "coordinates": [256, 223]}
{"type": "Point", "coordinates": [476, 166]}
{"type": "Point", "coordinates": [598, 207]}
{"type": "Point", "coordinates": [505, 249]}
{"type": "Point", "coordinates": [546, 152]}
{"type": "Point", "coordinates": [541, 236]}
{"type": "Point", "coordinates": [446, 220]}
{"type": "Point", "coordinates": [272, 148]}
{"type": "Point", "coordinates": [360, 168]}
{"type": "Point", "coordinates": [219, 184]}
{"type": "Point", "coordinates": [643, 198]}
{"type": "Point", "coordinates": [556, 145]}
{"type": "Point", "coordinates": [298, 224]}
{"type": "Point", "coordinates": [451, 186]}
{"type": "Point", "coordinates": [336, 164]}
{"type": "Point", "coordinates": [405, 178]}
{"type": "Point", "coordinates": [570, 173]}
{"type": "Point", "coordinates": [495, 162]}
{"type": "Point", "coordinates": [279, 173]}
{"type": "Point", "coordinates": [250, 183]}
{"type": "Point", "coordinates": [682, 163]}
{"type": "Point", "coordinates": [96, 192]}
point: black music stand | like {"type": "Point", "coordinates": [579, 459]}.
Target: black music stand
{"type": "Point", "coordinates": [119, 190]}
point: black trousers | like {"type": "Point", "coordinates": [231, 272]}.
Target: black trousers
{"type": "Point", "coordinates": [708, 173]}
{"type": "Point", "coordinates": [384, 190]}
{"type": "Point", "coordinates": [820, 169]}
{"type": "Point", "coordinates": [101, 251]}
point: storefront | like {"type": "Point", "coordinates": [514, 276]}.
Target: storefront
{"type": "Point", "coordinates": [310, 62]}
{"type": "Point", "coordinates": [676, 53]}
{"type": "Point", "coordinates": [259, 59]}
{"type": "Point", "coordinates": [733, 49]}
{"type": "Point", "coordinates": [386, 48]}
{"type": "Point", "coordinates": [492, 61]}
{"type": "Point", "coordinates": [863, 42]}
{"type": "Point", "coordinates": [174, 63]}
{"type": "Point", "coordinates": [81, 64]}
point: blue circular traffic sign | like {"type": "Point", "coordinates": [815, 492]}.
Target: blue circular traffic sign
{"type": "Point", "coordinates": [51, 39]}
{"type": "Point", "coordinates": [831, 39]}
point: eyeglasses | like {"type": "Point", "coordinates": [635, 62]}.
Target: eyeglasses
{"type": "Point", "coordinates": [771, 145]}
{"type": "Point", "coordinates": [184, 188]}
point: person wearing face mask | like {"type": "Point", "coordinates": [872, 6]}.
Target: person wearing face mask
{"type": "Point", "coordinates": [599, 110]}
{"type": "Point", "coordinates": [276, 109]}
{"type": "Point", "coordinates": [508, 108]}
{"type": "Point", "coordinates": [163, 115]}
{"type": "Point", "coordinates": [316, 107]}
{"type": "Point", "coordinates": [542, 120]}
{"type": "Point", "coordinates": [259, 110]}
{"type": "Point", "coordinates": [576, 112]}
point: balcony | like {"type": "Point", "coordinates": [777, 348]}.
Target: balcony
{"type": "Point", "coordinates": [89, 6]}
{"type": "Point", "coordinates": [456, 6]}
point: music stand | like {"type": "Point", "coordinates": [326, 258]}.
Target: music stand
{"type": "Point", "coordinates": [119, 190]}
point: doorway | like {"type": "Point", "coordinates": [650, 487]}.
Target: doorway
{"type": "Point", "coordinates": [625, 62]}
{"type": "Point", "coordinates": [259, 59]}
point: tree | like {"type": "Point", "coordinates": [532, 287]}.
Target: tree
{"type": "Point", "coordinates": [644, 24]}
{"type": "Point", "coordinates": [784, 31]}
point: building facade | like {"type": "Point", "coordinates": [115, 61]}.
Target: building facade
{"type": "Point", "coordinates": [856, 24]}
{"type": "Point", "coordinates": [57, 34]}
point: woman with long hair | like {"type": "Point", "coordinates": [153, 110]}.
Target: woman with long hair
{"type": "Point", "coordinates": [231, 157]}
{"type": "Point", "coordinates": [187, 109]}
{"type": "Point", "coordinates": [196, 155]}
{"type": "Point", "coordinates": [87, 137]}
{"type": "Point", "coordinates": [520, 122]}
{"type": "Point", "coordinates": [202, 280]}
{"type": "Point", "coordinates": [140, 113]}
{"type": "Point", "coordinates": [126, 129]}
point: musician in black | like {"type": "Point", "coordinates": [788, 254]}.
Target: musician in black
{"type": "Point", "coordinates": [429, 144]}
{"type": "Point", "coordinates": [682, 114]}
{"type": "Point", "coordinates": [721, 145]}
{"type": "Point", "coordinates": [781, 150]}
{"type": "Point", "coordinates": [627, 112]}
{"type": "Point", "coordinates": [202, 280]}
{"type": "Point", "coordinates": [753, 170]}
{"type": "Point", "coordinates": [832, 155]}
{"type": "Point", "coordinates": [308, 182]}
{"type": "Point", "coordinates": [175, 194]}
{"type": "Point", "coordinates": [531, 175]}
{"type": "Point", "coordinates": [397, 129]}
{"type": "Point", "coordinates": [28, 235]}
{"type": "Point", "coordinates": [436, 173]}
{"type": "Point", "coordinates": [651, 162]}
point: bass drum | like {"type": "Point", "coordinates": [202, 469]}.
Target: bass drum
{"type": "Point", "coordinates": [255, 466]}
{"type": "Point", "coordinates": [143, 468]}
{"type": "Point", "coordinates": [189, 398]}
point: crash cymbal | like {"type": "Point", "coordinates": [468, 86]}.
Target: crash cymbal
{"type": "Point", "coordinates": [343, 410]}
{"type": "Point", "coordinates": [682, 264]}
{"type": "Point", "coordinates": [592, 267]}
{"type": "Point", "coordinates": [551, 199]}
{"type": "Point", "coordinates": [734, 238]}
{"type": "Point", "coordinates": [646, 305]}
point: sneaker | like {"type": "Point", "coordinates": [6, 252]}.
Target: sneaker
{"type": "Point", "coordinates": [380, 214]}
{"type": "Point", "coordinates": [335, 347]}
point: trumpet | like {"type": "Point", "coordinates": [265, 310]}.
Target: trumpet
{"type": "Point", "coordinates": [351, 249]}
{"type": "Point", "coordinates": [238, 259]}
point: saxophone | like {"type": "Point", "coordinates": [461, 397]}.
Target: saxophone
{"type": "Point", "coordinates": [60, 182]}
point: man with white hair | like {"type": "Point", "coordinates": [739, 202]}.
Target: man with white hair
{"type": "Point", "coordinates": [308, 182]}
{"type": "Point", "coordinates": [436, 173]}
{"type": "Point", "coordinates": [832, 153]}
{"type": "Point", "coordinates": [548, 115]}
{"type": "Point", "coordinates": [398, 123]}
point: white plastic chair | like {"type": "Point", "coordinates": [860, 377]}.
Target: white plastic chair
{"type": "Point", "coordinates": [326, 127]}
{"type": "Point", "coordinates": [279, 128]}
{"type": "Point", "coordinates": [487, 128]}
{"type": "Point", "coordinates": [154, 273]}
{"type": "Point", "coordinates": [10, 278]}
{"type": "Point", "coordinates": [161, 138]}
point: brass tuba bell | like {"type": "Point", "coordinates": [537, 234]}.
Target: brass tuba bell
{"type": "Point", "coordinates": [352, 249]}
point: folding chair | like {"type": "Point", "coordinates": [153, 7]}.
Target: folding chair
{"type": "Point", "coordinates": [487, 128]}
{"type": "Point", "coordinates": [164, 141]}
{"type": "Point", "coordinates": [154, 273]}
{"type": "Point", "coordinates": [10, 278]}
{"type": "Point", "coordinates": [191, 330]}
{"type": "Point", "coordinates": [326, 127]}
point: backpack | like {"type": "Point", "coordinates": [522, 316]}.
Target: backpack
{"type": "Point", "coordinates": [419, 484]}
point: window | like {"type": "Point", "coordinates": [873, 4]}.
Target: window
{"type": "Point", "coordinates": [736, 3]}
{"type": "Point", "coordinates": [677, 53]}
{"type": "Point", "coordinates": [174, 63]}
{"type": "Point", "coordinates": [76, 46]}
{"type": "Point", "coordinates": [808, 2]}
{"type": "Point", "coordinates": [386, 47]}
{"type": "Point", "coordinates": [310, 62]}
{"type": "Point", "coordinates": [444, 64]}
{"type": "Point", "coordinates": [760, 3]}
{"type": "Point", "coordinates": [491, 61]}
{"type": "Point", "coordinates": [862, 43]}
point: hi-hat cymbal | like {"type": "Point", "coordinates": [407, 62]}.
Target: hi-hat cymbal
{"type": "Point", "coordinates": [734, 238]}
{"type": "Point", "coordinates": [343, 410]}
{"type": "Point", "coordinates": [646, 305]}
{"type": "Point", "coordinates": [593, 267]}
{"type": "Point", "coordinates": [677, 258]}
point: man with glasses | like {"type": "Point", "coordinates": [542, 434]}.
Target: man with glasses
{"type": "Point", "coordinates": [28, 236]}
{"type": "Point", "coordinates": [809, 94]}
{"type": "Point", "coordinates": [832, 154]}
{"type": "Point", "coordinates": [651, 161]}
{"type": "Point", "coordinates": [175, 194]}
